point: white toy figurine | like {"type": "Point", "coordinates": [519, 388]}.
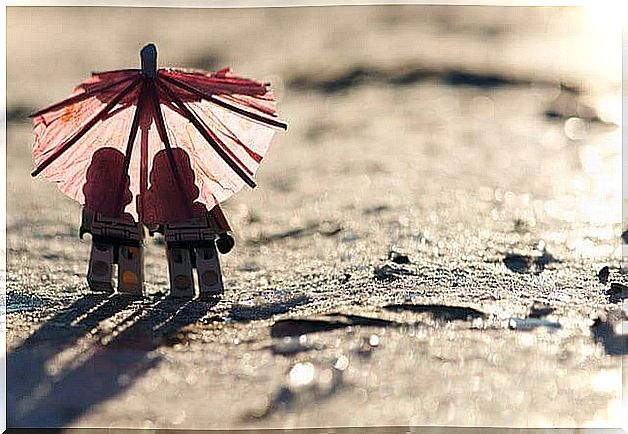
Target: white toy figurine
{"type": "Point", "coordinates": [190, 242]}
{"type": "Point", "coordinates": [193, 245]}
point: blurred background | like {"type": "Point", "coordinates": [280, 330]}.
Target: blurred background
{"type": "Point", "coordinates": [437, 156]}
{"type": "Point", "coordinates": [371, 77]}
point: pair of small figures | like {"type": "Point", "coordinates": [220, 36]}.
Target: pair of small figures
{"type": "Point", "coordinates": [189, 245]}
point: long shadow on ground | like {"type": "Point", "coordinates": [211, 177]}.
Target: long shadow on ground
{"type": "Point", "coordinates": [50, 383]}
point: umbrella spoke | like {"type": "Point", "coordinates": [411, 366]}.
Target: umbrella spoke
{"type": "Point", "coordinates": [231, 160]}
{"type": "Point", "coordinates": [227, 131]}
{"type": "Point", "coordinates": [115, 71]}
{"type": "Point", "coordinates": [163, 134]}
{"type": "Point", "coordinates": [226, 105]}
{"type": "Point", "coordinates": [129, 147]}
{"type": "Point", "coordinates": [143, 169]}
{"type": "Point", "coordinates": [78, 98]}
{"type": "Point", "coordinates": [71, 140]}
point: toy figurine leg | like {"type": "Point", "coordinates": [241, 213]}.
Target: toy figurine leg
{"type": "Point", "coordinates": [180, 269]}
{"type": "Point", "coordinates": [100, 270]}
{"type": "Point", "coordinates": [208, 269]}
{"type": "Point", "coordinates": [131, 269]}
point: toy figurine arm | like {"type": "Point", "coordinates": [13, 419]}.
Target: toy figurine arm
{"type": "Point", "coordinates": [225, 241]}
{"type": "Point", "coordinates": [87, 218]}
{"type": "Point", "coordinates": [219, 217]}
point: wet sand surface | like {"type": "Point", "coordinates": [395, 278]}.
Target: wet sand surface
{"type": "Point", "coordinates": [435, 240]}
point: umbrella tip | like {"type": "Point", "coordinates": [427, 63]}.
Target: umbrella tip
{"type": "Point", "coordinates": [148, 55]}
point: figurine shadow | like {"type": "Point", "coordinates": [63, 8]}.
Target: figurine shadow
{"type": "Point", "coordinates": [173, 193]}
{"type": "Point", "coordinates": [106, 189]}
{"type": "Point", "coordinates": [170, 195]}
{"type": "Point", "coordinates": [90, 352]}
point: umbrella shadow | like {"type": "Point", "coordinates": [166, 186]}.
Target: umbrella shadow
{"type": "Point", "coordinates": [89, 353]}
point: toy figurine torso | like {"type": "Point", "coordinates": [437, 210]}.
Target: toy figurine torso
{"type": "Point", "coordinates": [198, 230]}
{"type": "Point", "coordinates": [117, 231]}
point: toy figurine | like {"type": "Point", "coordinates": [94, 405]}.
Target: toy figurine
{"type": "Point", "coordinates": [115, 240]}
{"type": "Point", "coordinates": [201, 135]}
{"type": "Point", "coordinates": [193, 233]}
{"type": "Point", "coordinates": [193, 245]}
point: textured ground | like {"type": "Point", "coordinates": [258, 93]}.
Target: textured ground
{"type": "Point", "coordinates": [426, 245]}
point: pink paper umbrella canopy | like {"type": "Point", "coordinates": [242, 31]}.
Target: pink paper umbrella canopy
{"type": "Point", "coordinates": [159, 145]}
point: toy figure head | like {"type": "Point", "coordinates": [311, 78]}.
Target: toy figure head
{"type": "Point", "coordinates": [106, 187]}
{"type": "Point", "coordinates": [171, 198]}
{"type": "Point", "coordinates": [163, 179]}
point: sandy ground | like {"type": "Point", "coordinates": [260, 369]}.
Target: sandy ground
{"type": "Point", "coordinates": [426, 245]}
